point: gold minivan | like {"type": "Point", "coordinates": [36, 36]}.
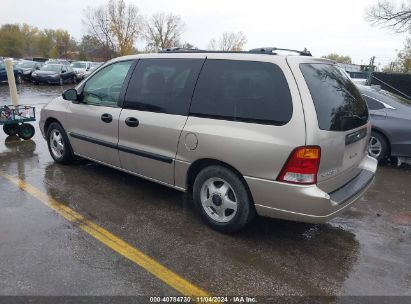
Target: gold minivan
{"type": "Point", "coordinates": [246, 133]}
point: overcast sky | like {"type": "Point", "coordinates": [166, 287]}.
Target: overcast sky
{"type": "Point", "coordinates": [322, 26]}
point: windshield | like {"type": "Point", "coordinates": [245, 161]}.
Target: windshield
{"type": "Point", "coordinates": [51, 68]}
{"type": "Point", "coordinates": [338, 103]}
{"type": "Point", "coordinates": [26, 64]}
{"type": "Point", "coordinates": [79, 65]}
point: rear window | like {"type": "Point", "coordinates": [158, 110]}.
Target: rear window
{"type": "Point", "coordinates": [244, 91]}
{"type": "Point", "coordinates": [338, 103]}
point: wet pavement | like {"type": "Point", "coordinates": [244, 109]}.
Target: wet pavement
{"type": "Point", "coordinates": [365, 251]}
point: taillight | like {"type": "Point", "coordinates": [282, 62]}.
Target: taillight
{"type": "Point", "coordinates": [302, 166]}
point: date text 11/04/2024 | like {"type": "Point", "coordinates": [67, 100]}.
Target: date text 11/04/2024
{"type": "Point", "coordinates": [202, 299]}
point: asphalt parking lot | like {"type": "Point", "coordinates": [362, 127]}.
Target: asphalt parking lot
{"type": "Point", "coordinates": [365, 251]}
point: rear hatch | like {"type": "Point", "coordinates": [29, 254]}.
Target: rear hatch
{"type": "Point", "coordinates": [336, 118]}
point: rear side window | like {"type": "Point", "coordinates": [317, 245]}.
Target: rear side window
{"type": "Point", "coordinates": [372, 103]}
{"type": "Point", "coordinates": [245, 91]}
{"type": "Point", "coordinates": [337, 101]}
{"type": "Point", "coordinates": [163, 85]}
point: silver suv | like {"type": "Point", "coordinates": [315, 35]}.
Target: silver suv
{"type": "Point", "coordinates": [246, 133]}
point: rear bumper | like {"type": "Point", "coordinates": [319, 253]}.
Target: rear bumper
{"type": "Point", "coordinates": [309, 203]}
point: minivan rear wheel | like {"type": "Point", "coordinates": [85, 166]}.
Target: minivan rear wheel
{"type": "Point", "coordinates": [59, 145]}
{"type": "Point", "coordinates": [222, 199]}
{"type": "Point", "coordinates": [378, 146]}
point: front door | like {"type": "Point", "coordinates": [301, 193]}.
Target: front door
{"type": "Point", "coordinates": [155, 110]}
{"type": "Point", "coordinates": [93, 124]}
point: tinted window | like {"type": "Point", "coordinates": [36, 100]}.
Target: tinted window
{"type": "Point", "coordinates": [372, 103]}
{"type": "Point", "coordinates": [337, 101]}
{"type": "Point", "coordinates": [105, 86]}
{"type": "Point", "coordinates": [163, 85]}
{"type": "Point", "coordinates": [242, 91]}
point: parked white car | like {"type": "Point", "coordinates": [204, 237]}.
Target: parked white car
{"type": "Point", "coordinates": [81, 68]}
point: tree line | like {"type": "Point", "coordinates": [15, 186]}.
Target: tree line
{"type": "Point", "coordinates": [110, 30]}
{"type": "Point", "coordinates": [18, 40]}
{"type": "Point", "coordinates": [396, 17]}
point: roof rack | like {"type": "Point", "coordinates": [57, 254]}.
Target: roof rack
{"type": "Point", "coordinates": [272, 50]}
{"type": "Point", "coordinates": [179, 50]}
{"type": "Point", "coordinates": [263, 50]}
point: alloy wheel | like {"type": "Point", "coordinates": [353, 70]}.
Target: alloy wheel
{"type": "Point", "coordinates": [218, 200]}
{"type": "Point", "coordinates": [56, 143]}
{"type": "Point", "coordinates": [375, 147]}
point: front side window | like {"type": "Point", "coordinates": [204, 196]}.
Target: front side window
{"type": "Point", "coordinates": [246, 91]}
{"type": "Point", "coordinates": [163, 85]}
{"type": "Point", "coordinates": [338, 103]}
{"type": "Point", "coordinates": [105, 86]}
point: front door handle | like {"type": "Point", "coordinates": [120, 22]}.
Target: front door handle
{"type": "Point", "coordinates": [107, 117]}
{"type": "Point", "coordinates": [132, 122]}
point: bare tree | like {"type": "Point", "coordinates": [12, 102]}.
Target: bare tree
{"type": "Point", "coordinates": [163, 31]}
{"type": "Point", "coordinates": [97, 23]}
{"type": "Point", "coordinates": [126, 25]}
{"type": "Point", "coordinates": [229, 41]}
{"type": "Point", "coordinates": [403, 63]}
{"type": "Point", "coordinates": [115, 26]}
{"type": "Point", "coordinates": [388, 14]}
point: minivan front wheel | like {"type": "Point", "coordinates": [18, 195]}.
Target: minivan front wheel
{"type": "Point", "coordinates": [222, 199]}
{"type": "Point", "coordinates": [59, 145]}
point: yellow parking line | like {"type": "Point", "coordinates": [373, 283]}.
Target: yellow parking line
{"type": "Point", "coordinates": [110, 240]}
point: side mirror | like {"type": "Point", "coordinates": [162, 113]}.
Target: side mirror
{"type": "Point", "coordinates": [63, 71]}
{"type": "Point", "coordinates": [70, 94]}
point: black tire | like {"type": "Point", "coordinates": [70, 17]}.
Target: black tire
{"type": "Point", "coordinates": [245, 207]}
{"type": "Point", "coordinates": [26, 131]}
{"type": "Point", "coordinates": [19, 79]}
{"type": "Point", "coordinates": [11, 129]}
{"type": "Point", "coordinates": [67, 156]}
{"type": "Point", "coordinates": [36, 82]}
{"type": "Point", "coordinates": [384, 146]}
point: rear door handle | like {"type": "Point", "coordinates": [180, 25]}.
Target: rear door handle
{"type": "Point", "coordinates": [132, 122]}
{"type": "Point", "coordinates": [107, 117]}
